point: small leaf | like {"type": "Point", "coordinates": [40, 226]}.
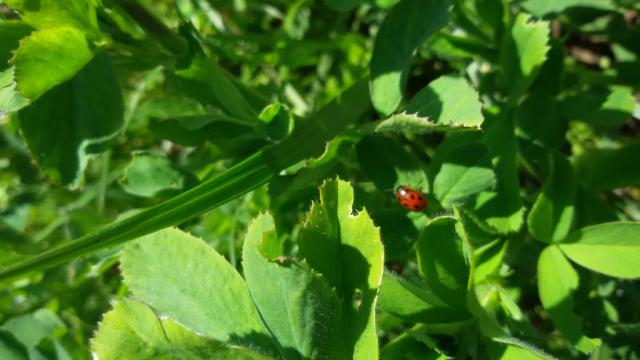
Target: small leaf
{"type": "Point", "coordinates": [183, 278]}
{"type": "Point", "coordinates": [42, 60]}
{"type": "Point", "coordinates": [416, 303]}
{"type": "Point", "coordinates": [346, 249]}
{"type": "Point", "coordinates": [43, 14]}
{"type": "Point", "coordinates": [74, 121]}
{"type": "Point", "coordinates": [608, 169]}
{"type": "Point", "coordinates": [610, 106]}
{"type": "Point", "coordinates": [298, 306]}
{"type": "Point", "coordinates": [523, 51]}
{"type": "Point", "coordinates": [275, 121]}
{"type": "Point", "coordinates": [10, 100]}
{"type": "Point", "coordinates": [557, 280]}
{"type": "Point", "coordinates": [149, 175]}
{"type": "Point", "coordinates": [465, 171]}
{"type": "Point", "coordinates": [448, 103]}
{"type": "Point", "coordinates": [131, 330]}
{"type": "Point", "coordinates": [442, 262]}
{"type": "Point", "coordinates": [611, 248]}
{"type": "Point", "coordinates": [551, 216]}
{"type": "Point", "coordinates": [412, 21]}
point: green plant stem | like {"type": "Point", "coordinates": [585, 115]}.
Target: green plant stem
{"type": "Point", "coordinates": [308, 139]}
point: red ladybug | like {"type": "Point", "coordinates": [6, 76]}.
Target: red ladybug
{"type": "Point", "coordinates": [410, 198]}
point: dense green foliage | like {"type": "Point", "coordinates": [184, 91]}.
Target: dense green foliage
{"type": "Point", "coordinates": [214, 179]}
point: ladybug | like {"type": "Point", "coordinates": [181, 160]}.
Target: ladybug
{"type": "Point", "coordinates": [410, 198]}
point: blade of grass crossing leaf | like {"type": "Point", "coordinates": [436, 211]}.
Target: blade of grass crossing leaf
{"type": "Point", "coordinates": [307, 140]}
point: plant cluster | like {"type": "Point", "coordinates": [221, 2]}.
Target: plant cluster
{"type": "Point", "coordinates": [319, 179]}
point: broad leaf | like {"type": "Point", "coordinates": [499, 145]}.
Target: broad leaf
{"type": "Point", "coordinates": [42, 60]}
{"type": "Point", "coordinates": [611, 248]}
{"type": "Point", "coordinates": [523, 51]}
{"type": "Point", "coordinates": [43, 14]}
{"type": "Point", "coordinates": [538, 120]}
{"type": "Point", "coordinates": [608, 169]}
{"type": "Point", "coordinates": [182, 278]}
{"type": "Point", "coordinates": [297, 305]}
{"type": "Point", "coordinates": [442, 262]}
{"type": "Point", "coordinates": [11, 348]}
{"type": "Point", "coordinates": [416, 303]}
{"type": "Point", "coordinates": [466, 170]}
{"type": "Point", "coordinates": [74, 121]}
{"type": "Point", "coordinates": [131, 330]}
{"type": "Point", "coordinates": [31, 329]}
{"type": "Point", "coordinates": [557, 280]}
{"type": "Point", "coordinates": [412, 21]}
{"type": "Point", "coordinates": [346, 249]}
{"type": "Point", "coordinates": [551, 216]}
{"type": "Point", "coordinates": [448, 103]}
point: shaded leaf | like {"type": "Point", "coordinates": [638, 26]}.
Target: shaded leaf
{"type": "Point", "coordinates": [608, 169]}
{"type": "Point", "coordinates": [541, 8]}
{"type": "Point", "coordinates": [412, 21]}
{"type": "Point", "coordinates": [74, 121]}
{"type": "Point", "coordinates": [611, 106]}
{"type": "Point", "coordinates": [346, 249]}
{"type": "Point", "coordinates": [299, 308]}
{"type": "Point", "coordinates": [442, 262]}
{"type": "Point", "coordinates": [416, 303]}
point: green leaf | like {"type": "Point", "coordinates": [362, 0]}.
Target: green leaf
{"type": "Point", "coordinates": [416, 303]}
{"type": "Point", "coordinates": [406, 346]}
{"type": "Point", "coordinates": [551, 216]}
{"type": "Point", "coordinates": [74, 121]}
{"type": "Point", "coordinates": [542, 8]}
{"type": "Point", "coordinates": [299, 308]}
{"type": "Point", "coordinates": [275, 121]}
{"type": "Point", "coordinates": [42, 60]}
{"type": "Point", "coordinates": [31, 329]}
{"type": "Point", "coordinates": [388, 164]}
{"type": "Point", "coordinates": [612, 105]}
{"type": "Point", "coordinates": [10, 348]}
{"type": "Point", "coordinates": [442, 262]}
{"type": "Point", "coordinates": [557, 280]}
{"type": "Point", "coordinates": [390, 61]}
{"type": "Point", "coordinates": [608, 169]}
{"type": "Point", "coordinates": [465, 171]}
{"type": "Point", "coordinates": [523, 51]}
{"type": "Point", "coordinates": [11, 31]}
{"type": "Point", "coordinates": [488, 259]}
{"type": "Point", "coordinates": [43, 14]}
{"type": "Point", "coordinates": [10, 100]}
{"type": "Point", "coordinates": [131, 330]}
{"type": "Point", "coordinates": [209, 83]}
{"type": "Point", "coordinates": [181, 277]}
{"type": "Point", "coordinates": [506, 348]}
{"type": "Point", "coordinates": [502, 208]}
{"type": "Point", "coordinates": [346, 249]}
{"type": "Point", "coordinates": [448, 103]}
{"type": "Point", "coordinates": [538, 120]}
{"type": "Point", "coordinates": [149, 175]}
{"type": "Point", "coordinates": [611, 248]}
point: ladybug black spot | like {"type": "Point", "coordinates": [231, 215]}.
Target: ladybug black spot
{"type": "Point", "coordinates": [412, 196]}
{"type": "Point", "coordinates": [420, 198]}
{"type": "Point", "coordinates": [416, 206]}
